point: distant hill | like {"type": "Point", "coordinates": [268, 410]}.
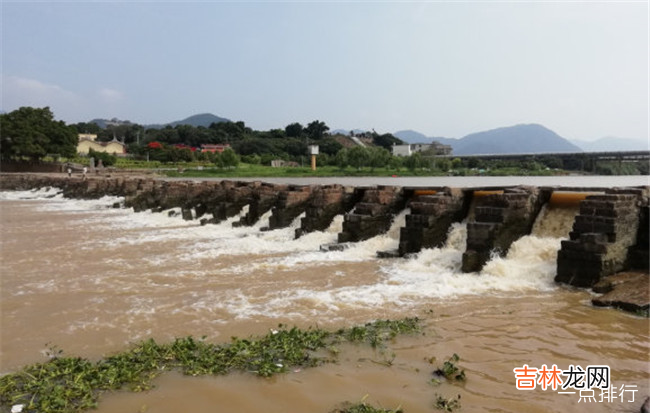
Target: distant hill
{"type": "Point", "coordinates": [411, 136]}
{"type": "Point", "coordinates": [530, 138]}
{"type": "Point", "coordinates": [609, 144]}
{"type": "Point", "coordinates": [203, 119]}
{"type": "Point", "coordinates": [103, 123]}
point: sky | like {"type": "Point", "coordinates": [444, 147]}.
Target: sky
{"type": "Point", "coordinates": [443, 68]}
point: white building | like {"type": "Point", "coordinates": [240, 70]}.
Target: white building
{"type": "Point", "coordinates": [409, 149]}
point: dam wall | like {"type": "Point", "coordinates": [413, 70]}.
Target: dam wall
{"type": "Point", "coordinates": [431, 214]}
{"type": "Point", "coordinates": [608, 235]}
{"type": "Point", "coordinates": [373, 214]}
{"type": "Point", "coordinates": [609, 232]}
{"type": "Point", "coordinates": [500, 218]}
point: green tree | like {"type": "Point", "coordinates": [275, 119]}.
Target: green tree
{"type": "Point", "coordinates": [395, 162]}
{"type": "Point", "coordinates": [316, 130]}
{"type": "Point", "coordinates": [230, 131]}
{"type": "Point", "coordinates": [414, 161]}
{"type": "Point", "coordinates": [378, 157]}
{"type": "Point", "coordinates": [33, 132]}
{"type": "Point", "coordinates": [443, 164]}
{"type": "Point", "coordinates": [341, 158]}
{"type": "Point", "coordinates": [229, 158]}
{"type": "Point", "coordinates": [217, 159]}
{"type": "Point", "coordinates": [358, 157]}
{"type": "Point", "coordinates": [295, 147]}
{"type": "Point", "coordinates": [252, 159]}
{"type": "Point", "coordinates": [106, 158]}
{"type": "Point", "coordinates": [87, 127]}
{"type": "Point", "coordinates": [294, 130]}
{"type": "Point", "coordinates": [329, 146]}
{"type": "Point", "coordinates": [386, 140]}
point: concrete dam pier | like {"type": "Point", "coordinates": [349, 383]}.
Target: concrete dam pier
{"type": "Point", "coordinates": [607, 230]}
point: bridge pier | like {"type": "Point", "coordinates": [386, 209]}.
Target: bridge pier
{"type": "Point", "coordinates": [373, 215]}
{"type": "Point", "coordinates": [499, 220]}
{"type": "Point", "coordinates": [432, 213]}
{"type": "Point", "coordinates": [603, 233]}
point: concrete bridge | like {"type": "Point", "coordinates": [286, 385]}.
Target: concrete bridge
{"type": "Point", "coordinates": [622, 155]}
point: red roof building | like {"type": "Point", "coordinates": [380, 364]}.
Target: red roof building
{"type": "Point", "coordinates": [214, 148]}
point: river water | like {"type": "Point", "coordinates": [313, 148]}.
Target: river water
{"type": "Point", "coordinates": [90, 279]}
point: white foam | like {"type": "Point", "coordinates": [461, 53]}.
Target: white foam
{"type": "Point", "coordinates": [531, 263]}
{"type": "Point", "coordinates": [306, 249]}
{"type": "Point", "coordinates": [433, 273]}
{"type": "Point", "coordinates": [53, 200]}
{"type": "Point", "coordinates": [35, 194]}
{"type": "Point", "coordinates": [400, 283]}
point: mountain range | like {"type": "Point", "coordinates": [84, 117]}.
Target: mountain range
{"type": "Point", "coordinates": [529, 138]}
{"type": "Point", "coordinates": [524, 138]}
{"type": "Point", "coordinates": [202, 119]}
{"type": "Point", "coordinates": [611, 143]}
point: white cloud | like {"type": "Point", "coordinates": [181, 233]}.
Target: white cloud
{"type": "Point", "coordinates": [19, 91]}
{"type": "Point", "coordinates": [66, 105]}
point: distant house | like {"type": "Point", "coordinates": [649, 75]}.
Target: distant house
{"type": "Point", "coordinates": [88, 141]}
{"type": "Point", "coordinates": [434, 147]}
{"type": "Point", "coordinates": [214, 148]}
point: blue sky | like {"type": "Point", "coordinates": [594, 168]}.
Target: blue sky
{"type": "Point", "coordinates": [441, 68]}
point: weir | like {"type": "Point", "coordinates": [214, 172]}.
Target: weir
{"type": "Point", "coordinates": [605, 233]}
{"type": "Point", "coordinates": [432, 213]}
{"type": "Point", "coordinates": [607, 228]}
{"type": "Point", "coordinates": [262, 200]}
{"type": "Point", "coordinates": [499, 220]}
{"type": "Point", "coordinates": [289, 205]}
{"type": "Point", "coordinates": [373, 215]}
{"type": "Point", "coordinates": [326, 203]}
{"type": "Point", "coordinates": [557, 215]}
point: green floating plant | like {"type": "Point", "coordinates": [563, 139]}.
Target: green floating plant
{"type": "Point", "coordinates": [72, 384]}
{"type": "Point", "coordinates": [450, 370]}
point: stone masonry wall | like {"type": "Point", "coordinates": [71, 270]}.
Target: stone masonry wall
{"type": "Point", "coordinates": [499, 220]}
{"type": "Point", "coordinates": [430, 218]}
{"type": "Point", "coordinates": [373, 215]}
{"type": "Point", "coordinates": [289, 205]}
{"type": "Point", "coordinates": [325, 203]}
{"type": "Point", "coordinates": [263, 198]}
{"type": "Point", "coordinates": [603, 232]}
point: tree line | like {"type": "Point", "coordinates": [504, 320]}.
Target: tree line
{"type": "Point", "coordinates": [33, 133]}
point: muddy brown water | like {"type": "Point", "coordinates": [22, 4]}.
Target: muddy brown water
{"type": "Point", "coordinates": [90, 280]}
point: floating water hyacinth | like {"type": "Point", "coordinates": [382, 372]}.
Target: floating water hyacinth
{"type": "Point", "coordinates": [73, 384]}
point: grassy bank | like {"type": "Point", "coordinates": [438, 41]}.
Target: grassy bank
{"type": "Point", "coordinates": [250, 171]}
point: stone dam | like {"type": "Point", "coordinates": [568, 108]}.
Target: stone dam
{"type": "Point", "coordinates": [605, 249]}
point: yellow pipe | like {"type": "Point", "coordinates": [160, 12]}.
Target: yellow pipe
{"type": "Point", "coordinates": [568, 199]}
{"type": "Point", "coordinates": [425, 192]}
{"type": "Point", "coordinates": [478, 194]}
